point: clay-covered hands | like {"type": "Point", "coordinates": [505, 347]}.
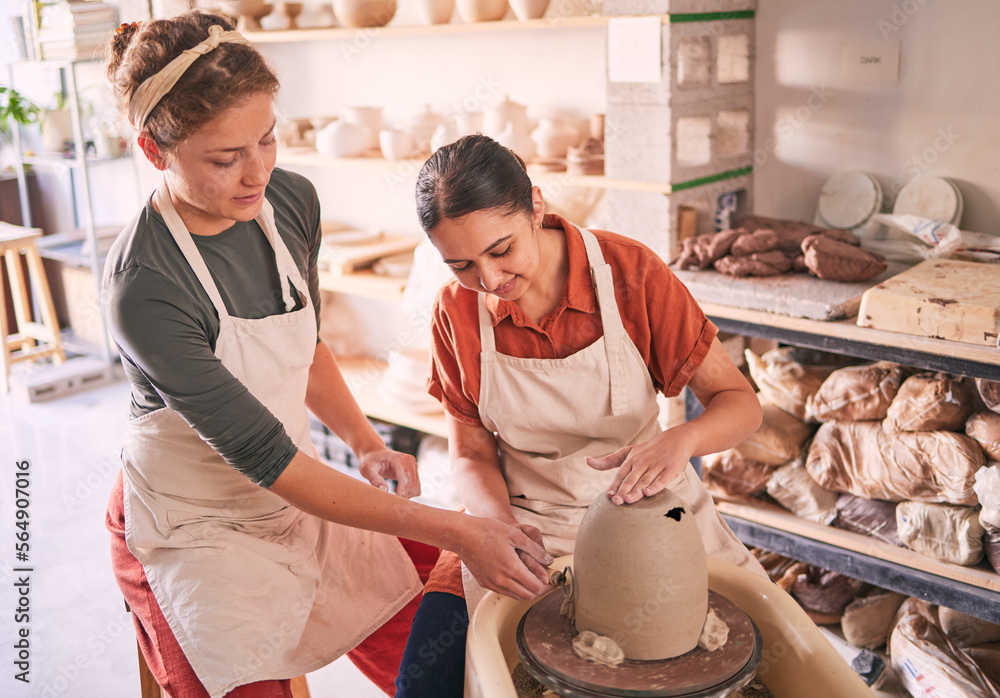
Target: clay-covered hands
{"type": "Point", "coordinates": [383, 464]}
{"type": "Point", "coordinates": [505, 559]}
{"type": "Point", "coordinates": [643, 470]}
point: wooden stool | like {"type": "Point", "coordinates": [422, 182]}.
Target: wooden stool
{"type": "Point", "coordinates": [34, 339]}
{"type": "Point", "coordinates": [149, 688]}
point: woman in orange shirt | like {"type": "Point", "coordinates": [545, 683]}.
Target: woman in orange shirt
{"type": "Point", "coordinates": [549, 349]}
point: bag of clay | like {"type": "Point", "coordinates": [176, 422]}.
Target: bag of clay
{"type": "Point", "coordinates": [856, 393]}
{"type": "Point", "coordinates": [965, 630]}
{"type": "Point", "coordinates": [867, 619]}
{"type": "Point", "coordinates": [987, 488]}
{"type": "Point", "coordinates": [784, 382]}
{"type": "Point", "coordinates": [860, 458]}
{"type": "Point", "coordinates": [991, 548]}
{"type": "Point", "coordinates": [987, 657]}
{"type": "Point", "coordinates": [989, 391]}
{"type": "Point", "coordinates": [779, 438]}
{"type": "Point", "coordinates": [729, 473]}
{"type": "Point", "coordinates": [824, 593]}
{"type": "Point", "coordinates": [792, 487]}
{"type": "Point", "coordinates": [870, 517]}
{"type": "Point", "coordinates": [941, 531]}
{"type": "Point", "coordinates": [927, 663]}
{"type": "Point", "coordinates": [931, 401]}
{"type": "Point", "coordinates": [984, 427]}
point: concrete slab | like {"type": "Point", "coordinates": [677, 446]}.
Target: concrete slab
{"type": "Point", "coordinates": [797, 295]}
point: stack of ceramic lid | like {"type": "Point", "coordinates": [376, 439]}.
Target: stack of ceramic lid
{"type": "Point", "coordinates": [848, 200]}
{"type": "Point", "coordinates": [936, 198]}
{"type": "Point", "coordinates": [404, 383]}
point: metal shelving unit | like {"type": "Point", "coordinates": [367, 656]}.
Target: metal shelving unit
{"type": "Point", "coordinates": [975, 591]}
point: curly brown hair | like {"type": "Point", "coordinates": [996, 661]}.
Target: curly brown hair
{"type": "Point", "coordinates": [215, 82]}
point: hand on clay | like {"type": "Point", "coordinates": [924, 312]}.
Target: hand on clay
{"type": "Point", "coordinates": [505, 559]}
{"type": "Point", "coordinates": [379, 465]}
{"type": "Point", "coordinates": [643, 470]}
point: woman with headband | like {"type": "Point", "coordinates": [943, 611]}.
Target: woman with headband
{"type": "Point", "coordinates": [245, 560]}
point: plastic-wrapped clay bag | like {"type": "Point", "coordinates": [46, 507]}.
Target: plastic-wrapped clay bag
{"type": "Point", "coordinates": [779, 438]}
{"type": "Point", "coordinates": [783, 382]}
{"type": "Point", "coordinates": [731, 474]}
{"type": "Point", "coordinates": [793, 488]}
{"type": "Point", "coordinates": [823, 592]}
{"type": "Point", "coordinates": [927, 663]}
{"type": "Point", "coordinates": [931, 401]}
{"type": "Point", "coordinates": [871, 517]}
{"type": "Point", "coordinates": [984, 427]}
{"type": "Point", "coordinates": [987, 657]}
{"type": "Point", "coordinates": [856, 393]}
{"type": "Point", "coordinates": [989, 391]}
{"type": "Point", "coordinates": [867, 619]}
{"type": "Point", "coordinates": [965, 630]}
{"type": "Point", "coordinates": [987, 487]}
{"type": "Point", "coordinates": [941, 531]}
{"type": "Point", "coordinates": [860, 458]}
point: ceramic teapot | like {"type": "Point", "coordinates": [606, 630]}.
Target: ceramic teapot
{"type": "Point", "coordinates": [496, 118]}
{"type": "Point", "coordinates": [640, 575]}
{"type": "Point", "coordinates": [341, 139]}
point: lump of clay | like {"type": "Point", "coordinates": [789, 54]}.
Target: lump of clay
{"type": "Point", "coordinates": [640, 576]}
{"type": "Point", "coordinates": [769, 263]}
{"type": "Point", "coordinates": [599, 649]}
{"type": "Point", "coordinates": [758, 241]}
{"type": "Point", "coordinates": [700, 251]}
{"type": "Point", "coordinates": [834, 260]}
{"type": "Point", "coordinates": [714, 634]}
{"type": "Point", "coordinates": [792, 233]}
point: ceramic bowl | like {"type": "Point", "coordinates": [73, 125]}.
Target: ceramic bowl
{"type": "Point", "coordinates": [481, 10]}
{"type": "Point", "coordinates": [364, 13]}
{"type": "Point", "coordinates": [396, 144]}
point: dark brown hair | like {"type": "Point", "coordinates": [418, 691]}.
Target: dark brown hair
{"type": "Point", "coordinates": [214, 82]}
{"type": "Point", "coordinates": [474, 173]}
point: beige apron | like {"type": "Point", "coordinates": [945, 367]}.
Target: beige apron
{"type": "Point", "coordinates": [549, 415]}
{"type": "Point", "coordinates": [252, 588]}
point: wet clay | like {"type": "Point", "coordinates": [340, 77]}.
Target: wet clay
{"type": "Point", "coordinates": [598, 648]}
{"type": "Point", "coordinates": [640, 576]}
{"type": "Point", "coordinates": [714, 634]}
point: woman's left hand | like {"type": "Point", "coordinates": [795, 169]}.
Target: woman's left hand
{"type": "Point", "coordinates": [381, 464]}
{"type": "Point", "coordinates": [643, 470]}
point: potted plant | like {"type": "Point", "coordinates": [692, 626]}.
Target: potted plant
{"type": "Point", "coordinates": [16, 110]}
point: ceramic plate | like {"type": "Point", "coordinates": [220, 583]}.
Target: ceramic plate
{"type": "Point", "coordinates": [848, 200]}
{"type": "Point", "coordinates": [930, 197]}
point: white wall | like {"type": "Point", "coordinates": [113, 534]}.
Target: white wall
{"type": "Point", "coordinates": [940, 119]}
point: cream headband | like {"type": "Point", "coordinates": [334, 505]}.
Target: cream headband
{"type": "Point", "coordinates": [153, 89]}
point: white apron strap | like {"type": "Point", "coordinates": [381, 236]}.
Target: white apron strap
{"type": "Point", "coordinates": [283, 258]}
{"type": "Point", "coordinates": [604, 286]}
{"type": "Point", "coordinates": [486, 338]}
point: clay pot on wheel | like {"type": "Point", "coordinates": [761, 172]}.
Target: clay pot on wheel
{"type": "Point", "coordinates": [640, 576]}
{"type": "Point", "coordinates": [364, 13]}
{"type": "Point", "coordinates": [481, 10]}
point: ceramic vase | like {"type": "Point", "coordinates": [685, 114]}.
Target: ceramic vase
{"type": "Point", "coordinates": [250, 13]}
{"type": "Point", "coordinates": [434, 11]}
{"type": "Point", "coordinates": [481, 10]}
{"type": "Point", "coordinates": [364, 13]}
{"type": "Point", "coordinates": [640, 576]}
{"type": "Point", "coordinates": [529, 9]}
{"type": "Point", "coordinates": [553, 137]}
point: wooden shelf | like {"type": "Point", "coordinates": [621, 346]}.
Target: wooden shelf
{"type": "Point", "coordinates": [406, 168]}
{"type": "Point", "coordinates": [362, 374]}
{"type": "Point", "coordinates": [974, 590]}
{"type": "Point", "coordinates": [364, 283]}
{"type": "Point", "coordinates": [349, 34]}
{"type": "Point", "coordinates": [846, 337]}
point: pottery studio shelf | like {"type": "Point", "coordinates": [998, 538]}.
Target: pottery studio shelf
{"type": "Point", "coordinates": [363, 375]}
{"type": "Point", "coordinates": [296, 157]}
{"type": "Point", "coordinates": [363, 283]}
{"type": "Point", "coordinates": [972, 590]}
{"type": "Point", "coordinates": [457, 27]}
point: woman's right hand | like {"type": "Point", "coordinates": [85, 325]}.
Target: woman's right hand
{"type": "Point", "coordinates": [493, 552]}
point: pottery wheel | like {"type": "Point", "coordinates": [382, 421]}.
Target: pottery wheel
{"type": "Point", "coordinates": [545, 645]}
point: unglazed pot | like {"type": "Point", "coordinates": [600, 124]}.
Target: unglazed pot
{"type": "Point", "coordinates": [640, 576]}
{"type": "Point", "coordinates": [481, 10]}
{"type": "Point", "coordinates": [553, 137]}
{"type": "Point", "coordinates": [529, 9]}
{"type": "Point", "coordinates": [496, 118]}
{"type": "Point", "coordinates": [340, 139]}
{"type": "Point", "coordinates": [517, 140]}
{"type": "Point", "coordinates": [364, 13]}
{"type": "Point", "coordinates": [434, 11]}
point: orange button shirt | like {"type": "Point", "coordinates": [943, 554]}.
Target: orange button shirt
{"type": "Point", "coordinates": [665, 323]}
